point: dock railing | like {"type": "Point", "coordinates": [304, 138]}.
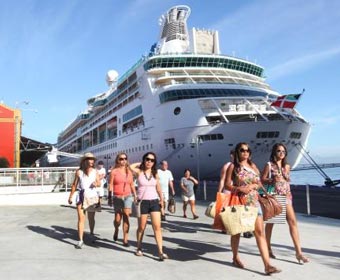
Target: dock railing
{"type": "Point", "coordinates": [37, 178]}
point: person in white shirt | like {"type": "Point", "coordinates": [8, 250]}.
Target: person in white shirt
{"type": "Point", "coordinates": [102, 175]}
{"type": "Point", "coordinates": [166, 180]}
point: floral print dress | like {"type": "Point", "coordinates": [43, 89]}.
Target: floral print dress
{"type": "Point", "coordinates": [244, 177]}
{"type": "Point", "coordinates": [282, 186]}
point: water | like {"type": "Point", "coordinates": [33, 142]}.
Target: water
{"type": "Point", "coordinates": [312, 177]}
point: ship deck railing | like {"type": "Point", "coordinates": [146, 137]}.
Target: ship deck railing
{"type": "Point", "coordinates": [38, 179]}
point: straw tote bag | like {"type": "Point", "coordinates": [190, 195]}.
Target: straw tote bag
{"type": "Point", "coordinates": [239, 218]}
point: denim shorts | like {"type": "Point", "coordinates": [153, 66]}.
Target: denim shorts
{"type": "Point", "coordinates": [122, 202]}
{"type": "Point", "coordinates": [149, 206]}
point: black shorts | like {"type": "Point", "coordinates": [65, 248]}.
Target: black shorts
{"type": "Point", "coordinates": [149, 206]}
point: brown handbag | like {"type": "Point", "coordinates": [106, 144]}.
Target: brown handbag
{"type": "Point", "coordinates": [270, 206]}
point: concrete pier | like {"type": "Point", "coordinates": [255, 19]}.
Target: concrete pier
{"type": "Point", "coordinates": [37, 242]}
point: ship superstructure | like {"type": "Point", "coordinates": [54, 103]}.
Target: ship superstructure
{"type": "Point", "coordinates": [187, 103]}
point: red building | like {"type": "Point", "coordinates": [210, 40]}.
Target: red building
{"type": "Point", "coordinates": [10, 134]}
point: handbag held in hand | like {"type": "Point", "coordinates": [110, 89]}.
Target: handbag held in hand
{"type": "Point", "coordinates": [172, 205]}
{"type": "Point", "coordinates": [211, 210]}
{"type": "Point", "coordinates": [270, 206]}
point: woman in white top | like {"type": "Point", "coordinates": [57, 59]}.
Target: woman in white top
{"type": "Point", "coordinates": [86, 181]}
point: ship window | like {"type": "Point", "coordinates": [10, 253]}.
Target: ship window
{"type": "Point", "coordinates": [177, 111]}
{"type": "Point", "coordinates": [228, 63]}
{"type": "Point", "coordinates": [267, 134]}
{"type": "Point", "coordinates": [211, 137]}
{"type": "Point", "coordinates": [295, 135]}
{"type": "Point", "coordinates": [179, 94]}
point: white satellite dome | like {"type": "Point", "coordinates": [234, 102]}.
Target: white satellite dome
{"type": "Point", "coordinates": [111, 77]}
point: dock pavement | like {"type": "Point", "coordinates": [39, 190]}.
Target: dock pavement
{"type": "Point", "coordinates": [37, 242]}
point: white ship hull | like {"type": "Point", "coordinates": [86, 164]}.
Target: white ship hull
{"type": "Point", "coordinates": [189, 108]}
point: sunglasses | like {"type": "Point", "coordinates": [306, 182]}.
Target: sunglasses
{"type": "Point", "coordinates": [244, 150]}
{"type": "Point", "coordinates": [281, 151]}
{"type": "Point", "coordinates": [122, 158]}
{"type": "Point", "coordinates": [150, 159]}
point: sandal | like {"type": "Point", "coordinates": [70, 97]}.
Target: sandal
{"type": "Point", "coordinates": [302, 259]}
{"type": "Point", "coordinates": [163, 257]}
{"type": "Point", "coordinates": [139, 253]}
{"type": "Point", "coordinates": [271, 270]}
{"type": "Point", "coordinates": [238, 263]}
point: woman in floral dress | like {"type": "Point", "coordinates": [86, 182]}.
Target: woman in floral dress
{"type": "Point", "coordinates": [243, 179]}
{"type": "Point", "coordinates": [276, 173]}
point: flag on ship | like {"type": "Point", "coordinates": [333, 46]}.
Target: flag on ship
{"type": "Point", "coordinates": [286, 101]}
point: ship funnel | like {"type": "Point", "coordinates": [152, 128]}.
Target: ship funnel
{"type": "Point", "coordinates": [174, 32]}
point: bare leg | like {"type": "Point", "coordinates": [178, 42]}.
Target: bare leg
{"type": "Point", "coordinates": [268, 231]}
{"type": "Point", "coordinates": [262, 245]}
{"type": "Point", "coordinates": [140, 230]}
{"type": "Point", "coordinates": [234, 243]}
{"type": "Point", "coordinates": [90, 217]}
{"type": "Point", "coordinates": [116, 223]}
{"type": "Point", "coordinates": [156, 225]}
{"type": "Point", "coordinates": [126, 225]}
{"type": "Point", "coordinates": [193, 208]}
{"type": "Point", "coordinates": [185, 203]}
{"type": "Point", "coordinates": [81, 222]}
{"type": "Point", "coordinates": [294, 233]}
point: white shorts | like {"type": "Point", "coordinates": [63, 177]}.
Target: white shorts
{"type": "Point", "coordinates": [100, 191]}
{"type": "Point", "coordinates": [187, 198]}
{"type": "Point", "coordinates": [165, 196]}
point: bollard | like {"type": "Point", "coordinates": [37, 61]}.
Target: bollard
{"type": "Point", "coordinates": [308, 200]}
{"type": "Point", "coordinates": [205, 189]}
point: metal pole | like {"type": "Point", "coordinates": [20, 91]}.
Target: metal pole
{"type": "Point", "coordinates": [205, 189]}
{"type": "Point", "coordinates": [308, 200]}
{"type": "Point", "coordinates": [198, 159]}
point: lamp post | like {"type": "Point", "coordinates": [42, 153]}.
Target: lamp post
{"type": "Point", "coordinates": [196, 142]}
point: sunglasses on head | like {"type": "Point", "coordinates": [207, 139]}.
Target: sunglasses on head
{"type": "Point", "coordinates": [150, 159]}
{"type": "Point", "coordinates": [244, 150]}
{"type": "Point", "coordinates": [122, 158]}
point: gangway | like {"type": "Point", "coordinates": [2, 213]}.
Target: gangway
{"type": "Point", "coordinates": [52, 156]}
{"type": "Point", "coordinates": [328, 181]}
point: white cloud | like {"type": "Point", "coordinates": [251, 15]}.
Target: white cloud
{"type": "Point", "coordinates": [301, 63]}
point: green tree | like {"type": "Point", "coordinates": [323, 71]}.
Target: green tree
{"type": "Point", "coordinates": [4, 162]}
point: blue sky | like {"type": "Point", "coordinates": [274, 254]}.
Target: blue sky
{"type": "Point", "coordinates": [55, 54]}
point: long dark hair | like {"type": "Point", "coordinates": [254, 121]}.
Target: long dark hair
{"type": "Point", "coordinates": [273, 154]}
{"type": "Point", "coordinates": [237, 157]}
{"type": "Point", "coordinates": [85, 166]}
{"type": "Point", "coordinates": [154, 166]}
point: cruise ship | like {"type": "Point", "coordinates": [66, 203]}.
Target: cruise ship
{"type": "Point", "coordinates": [189, 104]}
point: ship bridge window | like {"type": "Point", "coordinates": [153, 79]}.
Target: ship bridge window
{"type": "Point", "coordinates": [295, 135]}
{"type": "Point", "coordinates": [179, 94]}
{"type": "Point", "coordinates": [216, 62]}
{"type": "Point", "coordinates": [267, 134]}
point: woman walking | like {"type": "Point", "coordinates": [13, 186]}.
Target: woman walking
{"type": "Point", "coordinates": [188, 195]}
{"type": "Point", "coordinates": [86, 181]}
{"type": "Point", "coordinates": [149, 194]}
{"type": "Point", "coordinates": [122, 187]}
{"type": "Point", "coordinates": [277, 173]}
{"type": "Point", "coordinates": [243, 179]}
